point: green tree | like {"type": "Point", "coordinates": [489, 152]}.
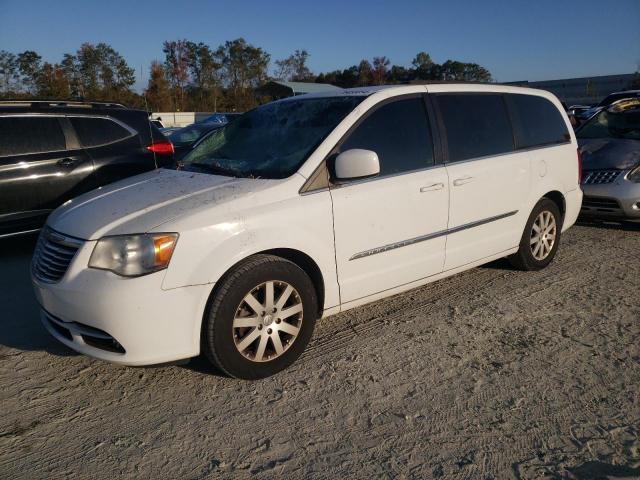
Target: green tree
{"type": "Point", "coordinates": [244, 67]}
{"type": "Point", "coordinates": [177, 69]}
{"type": "Point", "coordinates": [452, 70]}
{"type": "Point", "coordinates": [364, 73]}
{"type": "Point", "coordinates": [294, 67]}
{"type": "Point", "coordinates": [70, 67]}
{"type": "Point", "coordinates": [204, 70]}
{"type": "Point", "coordinates": [423, 67]}
{"type": "Point", "coordinates": [29, 65]}
{"type": "Point", "coordinates": [9, 73]}
{"type": "Point", "coordinates": [98, 72]}
{"type": "Point", "coordinates": [399, 74]}
{"type": "Point", "coordinates": [379, 71]}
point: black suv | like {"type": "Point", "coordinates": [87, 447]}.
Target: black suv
{"type": "Point", "coordinates": [53, 151]}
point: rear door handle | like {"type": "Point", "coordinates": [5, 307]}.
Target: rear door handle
{"type": "Point", "coordinates": [462, 180]}
{"type": "Point", "coordinates": [67, 162]}
{"type": "Point", "coordinates": [431, 188]}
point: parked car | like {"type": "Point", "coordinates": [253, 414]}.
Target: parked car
{"type": "Point", "coordinates": [185, 138]}
{"type": "Point", "coordinates": [51, 152]}
{"type": "Point", "coordinates": [577, 109]}
{"type": "Point", "coordinates": [166, 131]}
{"type": "Point", "coordinates": [157, 123]}
{"type": "Point", "coordinates": [220, 118]}
{"type": "Point", "coordinates": [608, 100]}
{"type": "Point", "coordinates": [610, 148]}
{"type": "Point", "coordinates": [303, 208]}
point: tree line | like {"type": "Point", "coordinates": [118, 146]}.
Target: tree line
{"type": "Point", "coordinates": [196, 77]}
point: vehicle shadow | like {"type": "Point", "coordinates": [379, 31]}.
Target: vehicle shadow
{"type": "Point", "coordinates": [202, 366]}
{"type": "Point", "coordinates": [500, 264]}
{"type": "Point", "coordinates": [20, 326]}
{"type": "Point", "coordinates": [609, 224]}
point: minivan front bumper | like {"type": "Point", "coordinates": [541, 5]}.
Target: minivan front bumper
{"type": "Point", "coordinates": [128, 321]}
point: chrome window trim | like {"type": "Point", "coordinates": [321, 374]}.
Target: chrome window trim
{"type": "Point", "coordinates": [430, 236]}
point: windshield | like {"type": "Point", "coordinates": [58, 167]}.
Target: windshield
{"type": "Point", "coordinates": [271, 141]}
{"type": "Point", "coordinates": [189, 135]}
{"type": "Point", "coordinates": [612, 124]}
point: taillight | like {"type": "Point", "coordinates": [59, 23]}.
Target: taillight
{"type": "Point", "coordinates": [579, 168]}
{"type": "Point", "coordinates": [162, 147]}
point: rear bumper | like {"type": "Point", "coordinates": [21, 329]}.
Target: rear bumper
{"type": "Point", "coordinates": [129, 321]}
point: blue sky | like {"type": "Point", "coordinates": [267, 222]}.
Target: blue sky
{"type": "Point", "coordinates": [515, 40]}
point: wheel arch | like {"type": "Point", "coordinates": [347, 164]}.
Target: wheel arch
{"type": "Point", "coordinates": [299, 258]}
{"type": "Point", "coordinates": [558, 198]}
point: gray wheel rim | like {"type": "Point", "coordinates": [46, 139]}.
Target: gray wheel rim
{"type": "Point", "coordinates": [543, 235]}
{"type": "Point", "coordinates": [267, 321]}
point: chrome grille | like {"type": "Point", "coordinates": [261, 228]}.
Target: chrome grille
{"type": "Point", "coordinates": [597, 177]}
{"type": "Point", "coordinates": [53, 254]}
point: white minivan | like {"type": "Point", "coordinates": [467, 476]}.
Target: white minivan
{"type": "Point", "coordinates": [303, 208]}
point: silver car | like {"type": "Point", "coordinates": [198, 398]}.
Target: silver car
{"type": "Point", "coordinates": [610, 148]}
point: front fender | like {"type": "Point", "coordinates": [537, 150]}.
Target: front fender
{"type": "Point", "coordinates": [204, 255]}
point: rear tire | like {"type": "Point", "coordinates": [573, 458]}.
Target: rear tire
{"type": "Point", "coordinates": [260, 318]}
{"type": "Point", "coordinates": [541, 237]}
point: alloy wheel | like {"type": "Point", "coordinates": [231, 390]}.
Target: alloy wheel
{"type": "Point", "coordinates": [267, 321]}
{"type": "Point", "coordinates": [543, 235]}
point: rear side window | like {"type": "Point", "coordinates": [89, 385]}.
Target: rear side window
{"type": "Point", "coordinates": [399, 133]}
{"type": "Point", "coordinates": [539, 122]}
{"type": "Point", "coordinates": [98, 131]}
{"type": "Point", "coordinates": [477, 125]}
{"type": "Point", "coordinates": [21, 135]}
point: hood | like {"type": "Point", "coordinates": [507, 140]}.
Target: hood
{"type": "Point", "coordinates": [140, 203]}
{"type": "Point", "coordinates": [609, 153]}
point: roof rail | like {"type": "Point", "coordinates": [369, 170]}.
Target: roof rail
{"type": "Point", "coordinates": [446, 82]}
{"type": "Point", "coordinates": [59, 103]}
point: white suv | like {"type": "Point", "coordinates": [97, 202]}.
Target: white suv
{"type": "Point", "coordinates": [303, 208]}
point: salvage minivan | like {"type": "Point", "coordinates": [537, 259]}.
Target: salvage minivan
{"type": "Point", "coordinates": [303, 208]}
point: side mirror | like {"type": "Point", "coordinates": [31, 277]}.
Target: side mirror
{"type": "Point", "coordinates": [356, 163]}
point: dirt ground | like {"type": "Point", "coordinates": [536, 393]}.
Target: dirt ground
{"type": "Point", "coordinates": [493, 373]}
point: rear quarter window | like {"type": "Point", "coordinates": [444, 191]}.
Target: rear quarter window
{"type": "Point", "coordinates": [476, 125]}
{"type": "Point", "coordinates": [93, 132]}
{"type": "Point", "coordinates": [24, 135]}
{"type": "Point", "coordinates": [538, 121]}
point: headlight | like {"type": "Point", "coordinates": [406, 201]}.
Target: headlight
{"type": "Point", "coordinates": [134, 255]}
{"type": "Point", "coordinates": [634, 175]}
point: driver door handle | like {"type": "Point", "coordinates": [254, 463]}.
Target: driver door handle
{"type": "Point", "coordinates": [462, 180]}
{"type": "Point", "coordinates": [431, 188]}
{"type": "Point", "coordinates": [67, 162]}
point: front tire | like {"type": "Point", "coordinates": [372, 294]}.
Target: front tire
{"type": "Point", "coordinates": [541, 237]}
{"type": "Point", "coordinates": [260, 318]}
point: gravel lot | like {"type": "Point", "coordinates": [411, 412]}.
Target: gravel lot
{"type": "Point", "coordinates": [493, 373]}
